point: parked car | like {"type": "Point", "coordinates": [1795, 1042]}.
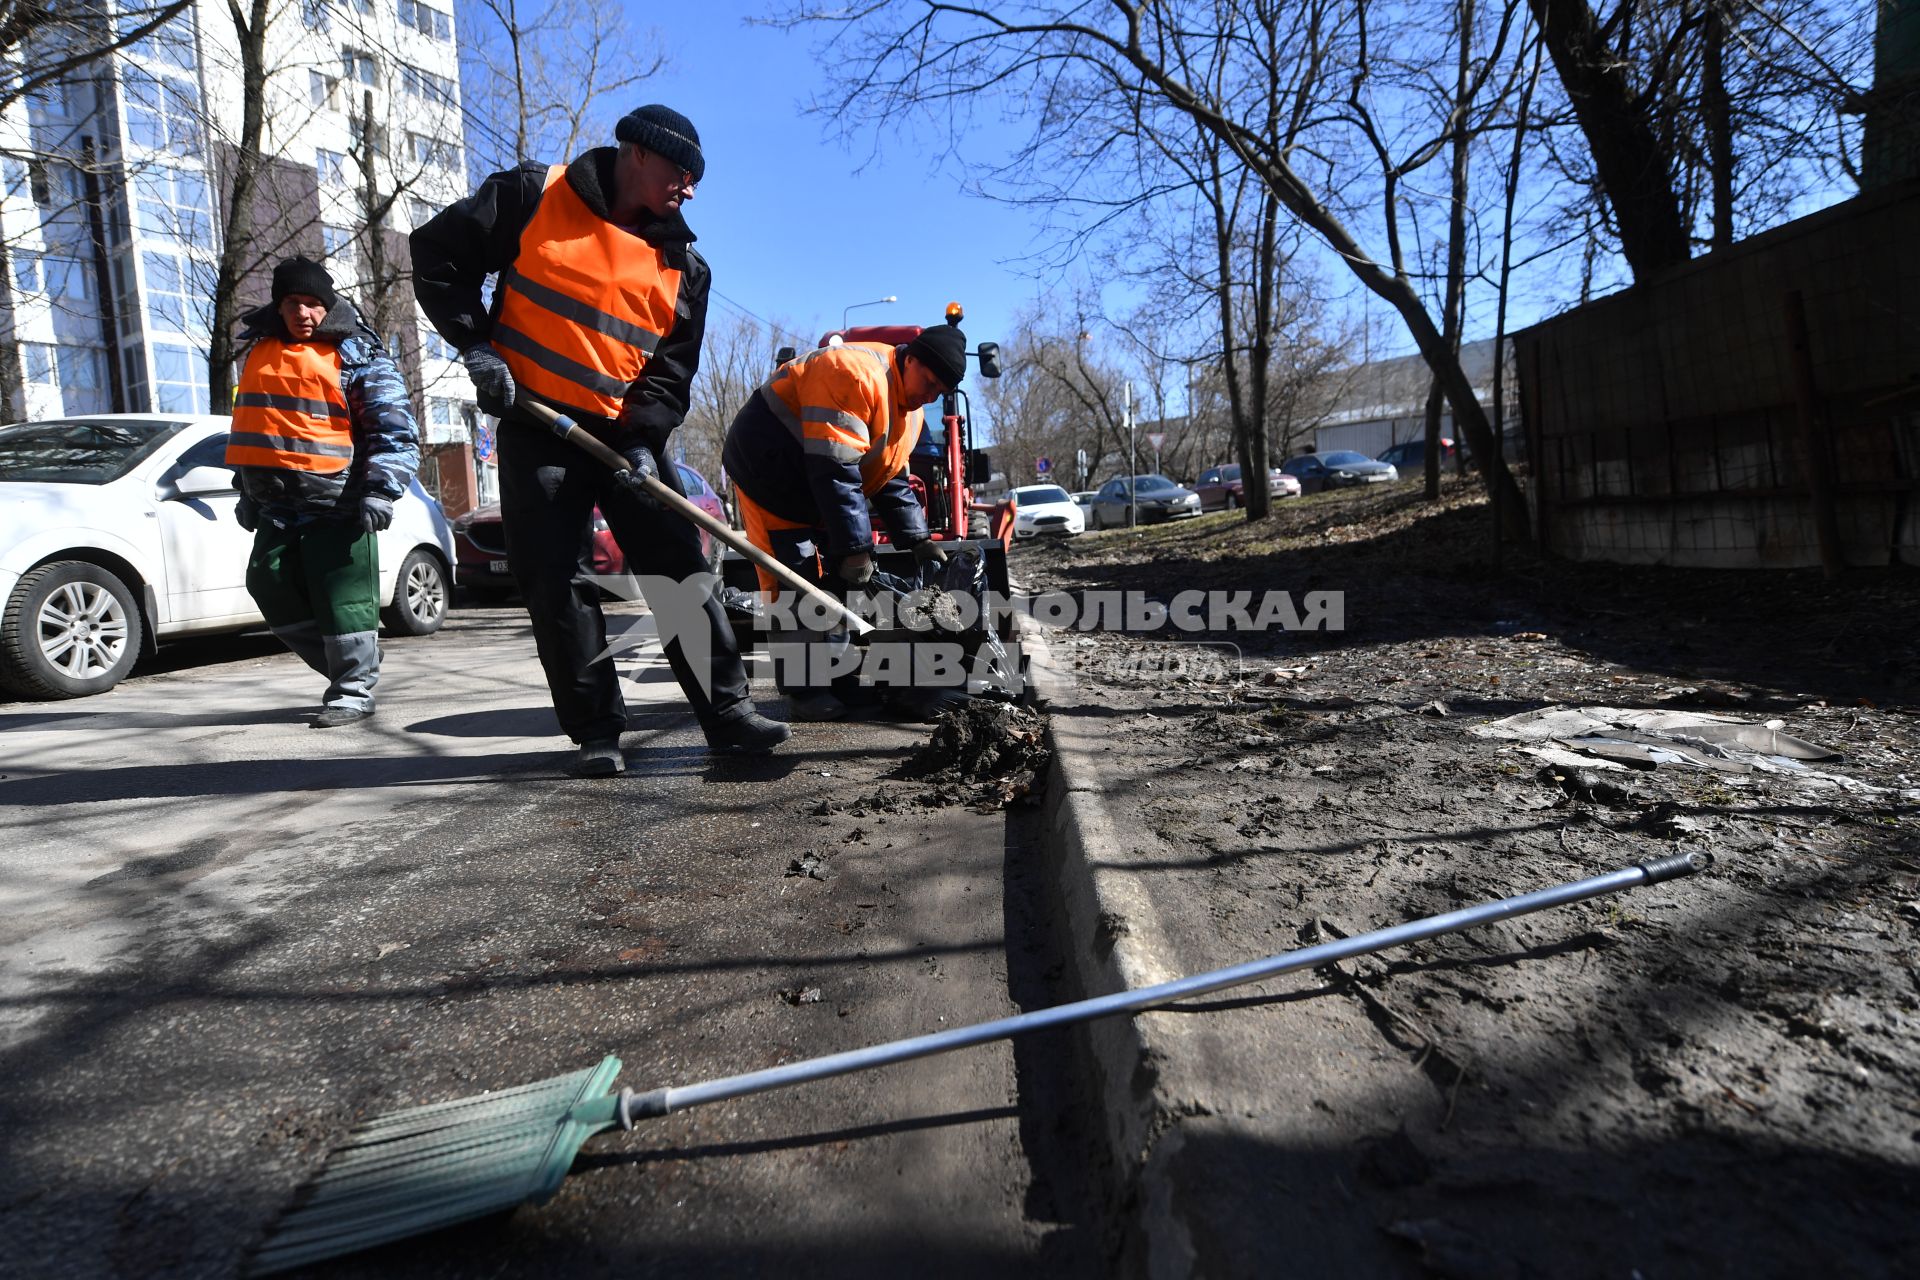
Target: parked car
{"type": "Point", "coordinates": [1084, 500]}
{"type": "Point", "coordinates": [1220, 488]}
{"type": "Point", "coordinates": [118, 532]}
{"type": "Point", "coordinates": [1411, 455]}
{"type": "Point", "coordinates": [1158, 498]}
{"type": "Point", "coordinates": [1044, 509]}
{"type": "Point", "coordinates": [1337, 470]}
{"type": "Point", "coordinates": [480, 541]}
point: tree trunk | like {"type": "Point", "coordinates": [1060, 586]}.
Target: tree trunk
{"type": "Point", "coordinates": [1713, 91]}
{"type": "Point", "coordinates": [236, 245]}
{"type": "Point", "coordinates": [1636, 171]}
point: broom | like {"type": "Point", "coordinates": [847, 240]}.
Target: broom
{"type": "Point", "coordinates": [430, 1167]}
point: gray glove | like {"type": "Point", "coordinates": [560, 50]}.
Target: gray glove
{"type": "Point", "coordinates": [493, 388]}
{"type": "Point", "coordinates": [927, 551]}
{"type": "Point", "coordinates": [856, 573]}
{"type": "Point", "coordinates": [375, 513]}
{"type": "Point", "coordinates": [644, 465]}
{"type": "Point", "coordinates": [246, 513]}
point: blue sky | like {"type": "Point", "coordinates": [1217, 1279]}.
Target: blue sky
{"type": "Point", "coordinates": [798, 226]}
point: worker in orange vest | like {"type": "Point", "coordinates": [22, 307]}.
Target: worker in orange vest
{"type": "Point", "coordinates": [324, 443]}
{"type": "Point", "coordinates": [599, 312]}
{"type": "Point", "coordinates": [819, 444]}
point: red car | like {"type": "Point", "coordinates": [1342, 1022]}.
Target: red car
{"type": "Point", "coordinates": [480, 543]}
{"type": "Point", "coordinates": [1220, 487]}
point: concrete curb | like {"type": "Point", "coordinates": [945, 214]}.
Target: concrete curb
{"type": "Point", "coordinates": [1114, 941]}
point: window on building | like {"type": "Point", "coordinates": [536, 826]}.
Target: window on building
{"type": "Point", "coordinates": [433, 153]}
{"type": "Point", "coordinates": [179, 379]}
{"type": "Point", "coordinates": [435, 345]}
{"type": "Point", "coordinates": [421, 211]}
{"type": "Point", "coordinates": [162, 112]}
{"type": "Point", "coordinates": [360, 67]}
{"type": "Point", "coordinates": [173, 203]}
{"type": "Point", "coordinates": [320, 88]}
{"type": "Point", "coordinates": [422, 83]}
{"type": "Point", "coordinates": [426, 19]}
{"type": "Point", "coordinates": [13, 174]}
{"type": "Point", "coordinates": [337, 244]}
{"type": "Point", "coordinates": [332, 166]}
{"type": "Point", "coordinates": [68, 279]}
{"type": "Point", "coordinates": [170, 43]}
{"type": "Point", "coordinates": [26, 270]}
{"type": "Point", "coordinates": [83, 379]}
{"type": "Point", "coordinates": [176, 297]}
{"type": "Point", "coordinates": [38, 365]}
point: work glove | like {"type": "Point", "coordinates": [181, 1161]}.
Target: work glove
{"type": "Point", "coordinates": [856, 570]}
{"type": "Point", "coordinates": [644, 465]}
{"type": "Point", "coordinates": [375, 513]}
{"type": "Point", "coordinates": [246, 513]}
{"type": "Point", "coordinates": [493, 388]}
{"type": "Point", "coordinates": [926, 552]}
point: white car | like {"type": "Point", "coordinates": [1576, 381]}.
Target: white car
{"type": "Point", "coordinates": [118, 531]}
{"type": "Point", "coordinates": [1042, 509]}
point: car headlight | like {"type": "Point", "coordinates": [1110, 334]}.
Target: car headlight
{"type": "Point", "coordinates": [1344, 475]}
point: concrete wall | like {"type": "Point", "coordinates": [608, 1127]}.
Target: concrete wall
{"type": "Point", "coordinates": [1670, 423]}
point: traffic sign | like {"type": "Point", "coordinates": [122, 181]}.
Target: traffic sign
{"type": "Point", "coordinates": [1156, 439]}
{"type": "Point", "coordinates": [1042, 465]}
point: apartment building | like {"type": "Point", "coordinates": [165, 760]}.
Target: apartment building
{"type": "Point", "coordinates": [112, 190]}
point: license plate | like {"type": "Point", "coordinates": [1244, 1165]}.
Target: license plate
{"type": "Point", "coordinates": [497, 566]}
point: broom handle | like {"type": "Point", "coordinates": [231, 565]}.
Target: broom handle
{"type": "Point", "coordinates": [658, 1102]}
{"type": "Point", "coordinates": [567, 429]}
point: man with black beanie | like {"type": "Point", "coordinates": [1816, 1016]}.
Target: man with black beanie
{"type": "Point", "coordinates": [822, 441]}
{"type": "Point", "coordinates": [324, 443]}
{"type": "Point", "coordinates": [599, 312]}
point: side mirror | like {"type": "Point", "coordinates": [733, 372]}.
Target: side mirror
{"type": "Point", "coordinates": [979, 467]}
{"type": "Point", "coordinates": [783, 355]}
{"type": "Point", "coordinates": [989, 354]}
{"type": "Point", "coordinates": [202, 480]}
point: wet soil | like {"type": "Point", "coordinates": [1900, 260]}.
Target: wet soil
{"type": "Point", "coordinates": [1717, 1076]}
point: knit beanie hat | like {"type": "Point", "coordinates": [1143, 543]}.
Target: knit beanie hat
{"type": "Point", "coordinates": [664, 131]}
{"type": "Point", "coordinates": [304, 276]}
{"type": "Point", "coordinates": [943, 349]}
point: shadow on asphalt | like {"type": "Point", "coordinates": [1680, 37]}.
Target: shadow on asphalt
{"type": "Point", "coordinates": [259, 777]}
{"type": "Point", "coordinates": [504, 722]}
{"type": "Point", "coordinates": [105, 718]}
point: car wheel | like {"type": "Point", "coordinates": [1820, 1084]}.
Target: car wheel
{"type": "Point", "coordinates": [978, 525]}
{"type": "Point", "coordinates": [71, 629]}
{"type": "Point", "coordinates": [1232, 502]}
{"type": "Point", "coordinates": [419, 595]}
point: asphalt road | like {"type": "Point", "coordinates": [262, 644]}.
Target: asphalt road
{"type": "Point", "coordinates": [225, 937]}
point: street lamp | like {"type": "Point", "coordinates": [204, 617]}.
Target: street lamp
{"type": "Point", "coordinates": [856, 306]}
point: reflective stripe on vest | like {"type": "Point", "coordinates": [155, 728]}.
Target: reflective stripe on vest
{"type": "Point", "coordinates": [289, 411]}
{"type": "Point", "coordinates": [804, 395]}
{"type": "Point", "coordinates": [584, 305]}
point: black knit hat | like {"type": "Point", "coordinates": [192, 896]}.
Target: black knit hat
{"type": "Point", "coordinates": [666, 132]}
{"type": "Point", "coordinates": [942, 349]}
{"type": "Point", "coordinates": [303, 275]}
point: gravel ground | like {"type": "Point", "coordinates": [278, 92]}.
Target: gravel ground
{"type": "Point", "coordinates": [1716, 1076]}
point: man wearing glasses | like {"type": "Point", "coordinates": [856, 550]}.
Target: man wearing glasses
{"type": "Point", "coordinates": [599, 312]}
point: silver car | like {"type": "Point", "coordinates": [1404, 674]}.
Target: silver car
{"type": "Point", "coordinates": [1157, 498]}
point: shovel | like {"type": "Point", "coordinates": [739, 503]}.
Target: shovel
{"type": "Point", "coordinates": [569, 430]}
{"type": "Point", "coordinates": [429, 1167]}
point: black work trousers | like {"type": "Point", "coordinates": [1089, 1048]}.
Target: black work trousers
{"type": "Point", "coordinates": [548, 490]}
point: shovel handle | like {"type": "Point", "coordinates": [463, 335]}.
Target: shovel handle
{"type": "Point", "coordinates": [567, 429]}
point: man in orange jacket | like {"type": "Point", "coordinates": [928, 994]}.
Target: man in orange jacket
{"type": "Point", "coordinates": [823, 441]}
{"type": "Point", "coordinates": [599, 312]}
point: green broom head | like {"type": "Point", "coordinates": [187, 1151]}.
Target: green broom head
{"type": "Point", "coordinates": [416, 1171]}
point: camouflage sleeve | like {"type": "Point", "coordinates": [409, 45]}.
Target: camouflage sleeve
{"type": "Point", "coordinates": [386, 441]}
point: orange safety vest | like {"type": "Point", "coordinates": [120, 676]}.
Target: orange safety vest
{"type": "Point", "coordinates": [290, 411]}
{"type": "Point", "coordinates": [839, 401]}
{"type": "Point", "coordinates": [584, 305]}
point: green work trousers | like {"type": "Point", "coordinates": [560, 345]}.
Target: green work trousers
{"type": "Point", "coordinates": [318, 585]}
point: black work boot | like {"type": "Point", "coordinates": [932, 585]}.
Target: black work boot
{"type": "Point", "coordinates": [743, 731]}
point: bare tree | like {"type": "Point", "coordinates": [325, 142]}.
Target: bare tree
{"type": "Point", "coordinates": [899, 55]}
{"type": "Point", "coordinates": [68, 38]}
{"type": "Point", "coordinates": [529, 65]}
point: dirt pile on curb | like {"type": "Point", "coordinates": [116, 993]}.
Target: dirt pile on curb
{"type": "Point", "coordinates": [984, 753]}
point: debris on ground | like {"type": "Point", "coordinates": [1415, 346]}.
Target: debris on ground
{"type": "Point", "coordinates": [797, 996]}
{"type": "Point", "coordinates": [1745, 1042]}
{"type": "Point", "coordinates": [987, 754]}
{"type": "Point", "coordinates": [810, 865]}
